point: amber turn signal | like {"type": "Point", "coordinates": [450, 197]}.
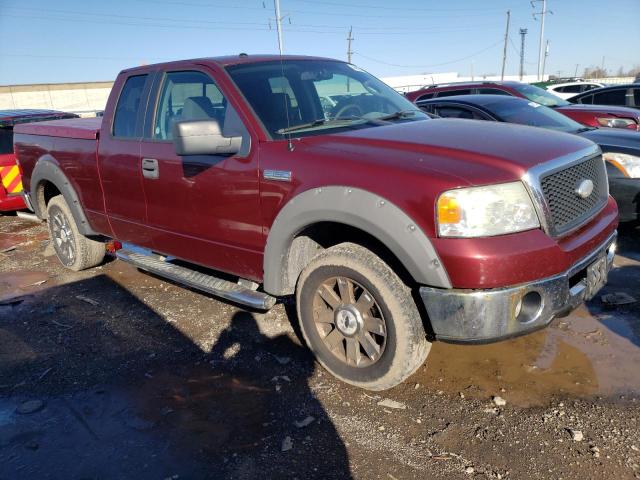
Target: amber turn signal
{"type": "Point", "coordinates": [449, 210]}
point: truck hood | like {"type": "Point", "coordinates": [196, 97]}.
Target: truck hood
{"type": "Point", "coordinates": [471, 152]}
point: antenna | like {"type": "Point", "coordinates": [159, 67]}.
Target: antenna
{"type": "Point", "coordinates": [276, 5]}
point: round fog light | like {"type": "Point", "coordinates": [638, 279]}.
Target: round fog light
{"type": "Point", "coordinates": [529, 307]}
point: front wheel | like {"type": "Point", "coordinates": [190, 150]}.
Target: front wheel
{"type": "Point", "coordinates": [74, 250]}
{"type": "Point", "coordinates": [359, 318]}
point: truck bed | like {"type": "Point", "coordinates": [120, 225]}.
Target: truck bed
{"type": "Point", "coordinates": [81, 128]}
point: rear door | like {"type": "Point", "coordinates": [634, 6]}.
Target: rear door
{"type": "Point", "coordinates": [203, 208]}
{"type": "Point", "coordinates": [119, 160]}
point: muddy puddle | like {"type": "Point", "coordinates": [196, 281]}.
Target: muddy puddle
{"type": "Point", "coordinates": [584, 354]}
{"type": "Point", "coordinates": [15, 284]}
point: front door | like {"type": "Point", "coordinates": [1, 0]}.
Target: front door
{"type": "Point", "coordinates": [202, 208]}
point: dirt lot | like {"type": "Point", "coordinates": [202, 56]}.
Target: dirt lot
{"type": "Point", "coordinates": [113, 373]}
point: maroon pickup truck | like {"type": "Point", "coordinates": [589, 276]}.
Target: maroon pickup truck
{"type": "Point", "coordinates": [255, 177]}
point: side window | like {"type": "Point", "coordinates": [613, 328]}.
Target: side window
{"type": "Point", "coordinates": [187, 96]}
{"type": "Point", "coordinates": [451, 93]}
{"type": "Point", "coordinates": [126, 115]}
{"type": "Point", "coordinates": [457, 112]}
{"type": "Point", "coordinates": [587, 99]}
{"type": "Point", "coordinates": [572, 89]}
{"type": "Point", "coordinates": [636, 96]}
{"type": "Point", "coordinates": [6, 140]}
{"type": "Point", "coordinates": [612, 97]}
{"type": "Point", "coordinates": [492, 91]}
{"type": "Point", "coordinates": [589, 86]}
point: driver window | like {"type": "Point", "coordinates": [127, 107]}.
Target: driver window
{"type": "Point", "coordinates": [188, 96]}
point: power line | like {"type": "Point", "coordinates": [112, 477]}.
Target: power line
{"type": "Point", "coordinates": [433, 65]}
{"type": "Point", "coordinates": [380, 7]}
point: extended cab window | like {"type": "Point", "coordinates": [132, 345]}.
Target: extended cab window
{"type": "Point", "coordinates": [187, 96]}
{"type": "Point", "coordinates": [125, 118]}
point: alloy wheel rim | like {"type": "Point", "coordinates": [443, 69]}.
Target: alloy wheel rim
{"type": "Point", "coordinates": [349, 322]}
{"type": "Point", "coordinates": [63, 239]}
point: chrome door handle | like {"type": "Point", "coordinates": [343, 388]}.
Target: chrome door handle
{"type": "Point", "coordinates": [150, 168]}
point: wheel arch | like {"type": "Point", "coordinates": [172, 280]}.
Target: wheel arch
{"type": "Point", "coordinates": [350, 212]}
{"type": "Point", "coordinates": [47, 181]}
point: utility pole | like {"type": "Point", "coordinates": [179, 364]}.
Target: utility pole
{"type": "Point", "coordinates": [472, 77]}
{"type": "Point", "coordinates": [349, 40]}
{"type": "Point", "coordinates": [604, 74]}
{"type": "Point", "coordinates": [544, 59]}
{"type": "Point", "coordinates": [276, 4]}
{"type": "Point", "coordinates": [506, 39]}
{"type": "Point", "coordinates": [542, 14]}
{"type": "Point", "coordinates": [349, 54]}
{"type": "Point", "coordinates": [575, 74]}
{"type": "Point", "coordinates": [523, 32]}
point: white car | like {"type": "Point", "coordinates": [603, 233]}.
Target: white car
{"type": "Point", "coordinates": [568, 90]}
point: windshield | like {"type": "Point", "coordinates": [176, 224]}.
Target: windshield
{"type": "Point", "coordinates": [538, 95]}
{"type": "Point", "coordinates": [532, 114]}
{"type": "Point", "coordinates": [310, 97]}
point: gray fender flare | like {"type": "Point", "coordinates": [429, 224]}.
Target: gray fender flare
{"type": "Point", "coordinates": [357, 208]}
{"type": "Point", "coordinates": [47, 170]}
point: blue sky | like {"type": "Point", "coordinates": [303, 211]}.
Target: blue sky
{"type": "Point", "coordinates": [84, 40]}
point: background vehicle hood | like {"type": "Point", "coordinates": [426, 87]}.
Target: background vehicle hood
{"type": "Point", "coordinates": [472, 152]}
{"type": "Point", "coordinates": [616, 111]}
{"type": "Point", "coordinates": [614, 139]}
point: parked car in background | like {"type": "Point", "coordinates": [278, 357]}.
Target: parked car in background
{"type": "Point", "coordinates": [229, 175]}
{"type": "Point", "coordinates": [590, 115]}
{"type": "Point", "coordinates": [568, 90]}
{"type": "Point", "coordinates": [10, 178]}
{"type": "Point", "coordinates": [621, 149]}
{"type": "Point", "coordinates": [619, 95]}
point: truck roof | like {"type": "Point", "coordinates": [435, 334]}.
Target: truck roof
{"type": "Point", "coordinates": [225, 61]}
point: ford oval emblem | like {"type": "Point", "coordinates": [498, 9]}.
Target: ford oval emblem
{"type": "Point", "coordinates": [584, 188]}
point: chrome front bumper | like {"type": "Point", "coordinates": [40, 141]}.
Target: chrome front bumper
{"type": "Point", "coordinates": [490, 315]}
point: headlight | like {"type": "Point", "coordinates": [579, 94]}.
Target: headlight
{"type": "Point", "coordinates": [617, 123]}
{"type": "Point", "coordinates": [486, 211]}
{"type": "Point", "coordinates": [629, 165]}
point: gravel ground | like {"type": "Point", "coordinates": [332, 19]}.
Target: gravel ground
{"type": "Point", "coordinates": [113, 373]}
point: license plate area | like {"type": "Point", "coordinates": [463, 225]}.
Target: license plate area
{"type": "Point", "coordinates": [596, 277]}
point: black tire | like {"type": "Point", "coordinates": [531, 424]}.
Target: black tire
{"type": "Point", "coordinates": [74, 250]}
{"type": "Point", "coordinates": [395, 348]}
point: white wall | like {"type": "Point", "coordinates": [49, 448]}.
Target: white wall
{"type": "Point", "coordinates": [81, 98]}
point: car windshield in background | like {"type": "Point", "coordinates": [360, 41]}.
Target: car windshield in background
{"type": "Point", "coordinates": [538, 95]}
{"type": "Point", "coordinates": [532, 114]}
{"type": "Point", "coordinates": [310, 97]}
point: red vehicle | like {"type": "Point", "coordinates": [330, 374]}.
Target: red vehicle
{"type": "Point", "coordinates": [590, 115]}
{"type": "Point", "coordinates": [10, 179]}
{"type": "Point", "coordinates": [383, 223]}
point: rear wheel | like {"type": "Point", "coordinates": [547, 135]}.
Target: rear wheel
{"type": "Point", "coordinates": [74, 250]}
{"type": "Point", "coordinates": [359, 318]}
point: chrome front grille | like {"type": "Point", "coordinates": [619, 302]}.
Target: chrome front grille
{"type": "Point", "coordinates": [554, 187]}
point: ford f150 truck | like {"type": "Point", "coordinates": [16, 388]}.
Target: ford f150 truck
{"type": "Point", "coordinates": [233, 176]}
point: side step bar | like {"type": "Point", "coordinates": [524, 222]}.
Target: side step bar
{"type": "Point", "coordinates": [150, 262]}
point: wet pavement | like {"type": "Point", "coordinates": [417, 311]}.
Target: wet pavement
{"type": "Point", "coordinates": [119, 374]}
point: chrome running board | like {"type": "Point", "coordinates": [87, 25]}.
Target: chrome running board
{"type": "Point", "coordinates": [150, 262]}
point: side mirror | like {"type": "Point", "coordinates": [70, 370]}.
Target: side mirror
{"type": "Point", "coordinates": [203, 137]}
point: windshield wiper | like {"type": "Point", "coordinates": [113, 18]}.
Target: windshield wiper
{"type": "Point", "coordinates": [302, 126]}
{"type": "Point", "coordinates": [398, 114]}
